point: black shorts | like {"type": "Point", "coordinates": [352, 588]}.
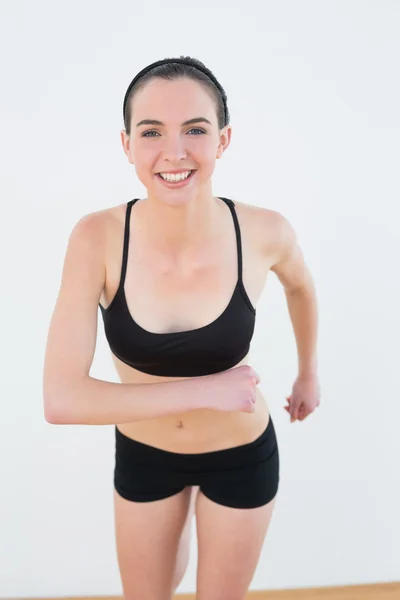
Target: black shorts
{"type": "Point", "coordinates": [244, 476]}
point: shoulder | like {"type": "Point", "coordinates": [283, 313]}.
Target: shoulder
{"type": "Point", "coordinates": [274, 232]}
{"type": "Point", "coordinates": [250, 216]}
{"type": "Point", "coordinates": [282, 239]}
{"type": "Point", "coordinates": [88, 233]}
{"type": "Point", "coordinates": [96, 228]}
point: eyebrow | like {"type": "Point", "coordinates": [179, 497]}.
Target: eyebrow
{"type": "Point", "coordinates": [190, 122]}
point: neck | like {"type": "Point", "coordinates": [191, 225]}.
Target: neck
{"type": "Point", "coordinates": [177, 229]}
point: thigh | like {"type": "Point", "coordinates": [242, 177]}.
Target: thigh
{"type": "Point", "coordinates": [230, 541]}
{"type": "Point", "coordinates": [147, 541]}
{"type": "Point", "coordinates": [233, 511]}
{"type": "Point", "coordinates": [151, 503]}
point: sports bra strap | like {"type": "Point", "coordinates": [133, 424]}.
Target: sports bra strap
{"type": "Point", "coordinates": [227, 201]}
{"type": "Point", "coordinates": [126, 240]}
{"type": "Point", "coordinates": [231, 205]}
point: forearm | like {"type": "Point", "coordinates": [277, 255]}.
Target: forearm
{"type": "Point", "coordinates": [303, 311]}
{"type": "Point", "coordinates": [95, 402]}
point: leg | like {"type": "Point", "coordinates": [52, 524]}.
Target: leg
{"type": "Point", "coordinates": [151, 504]}
{"type": "Point", "coordinates": [230, 541]}
{"type": "Point", "coordinates": [182, 559]}
{"type": "Point", "coordinates": [147, 539]}
{"type": "Point", "coordinates": [233, 512]}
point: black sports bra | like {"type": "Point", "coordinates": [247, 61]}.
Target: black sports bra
{"type": "Point", "coordinates": [215, 347]}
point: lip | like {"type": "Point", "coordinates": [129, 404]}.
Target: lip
{"type": "Point", "coordinates": [175, 171]}
{"type": "Point", "coordinates": [178, 185]}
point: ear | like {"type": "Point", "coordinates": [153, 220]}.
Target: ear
{"type": "Point", "coordinates": [126, 144]}
{"type": "Point", "coordinates": [225, 140]}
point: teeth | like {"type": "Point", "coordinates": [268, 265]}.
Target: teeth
{"type": "Point", "coordinates": [175, 176]}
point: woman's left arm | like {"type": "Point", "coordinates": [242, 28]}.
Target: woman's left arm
{"type": "Point", "coordinates": [291, 270]}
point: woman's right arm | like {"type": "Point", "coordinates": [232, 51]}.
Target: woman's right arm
{"type": "Point", "coordinates": [70, 394]}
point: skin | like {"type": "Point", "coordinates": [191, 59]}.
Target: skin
{"type": "Point", "coordinates": [183, 249]}
{"type": "Point", "coordinates": [185, 239]}
{"type": "Point", "coordinates": [179, 220]}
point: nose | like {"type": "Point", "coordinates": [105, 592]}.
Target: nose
{"type": "Point", "coordinates": [174, 148]}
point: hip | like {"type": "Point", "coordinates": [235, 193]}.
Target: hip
{"type": "Point", "coordinates": [243, 476]}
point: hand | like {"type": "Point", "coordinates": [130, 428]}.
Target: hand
{"type": "Point", "coordinates": [304, 399]}
{"type": "Point", "coordinates": [230, 390]}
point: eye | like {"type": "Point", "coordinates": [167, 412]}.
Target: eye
{"type": "Point", "coordinates": [145, 134]}
{"type": "Point", "coordinates": [196, 129]}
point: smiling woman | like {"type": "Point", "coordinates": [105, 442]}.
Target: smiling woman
{"type": "Point", "coordinates": [157, 144]}
{"type": "Point", "coordinates": [177, 276]}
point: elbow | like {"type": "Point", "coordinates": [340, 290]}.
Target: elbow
{"type": "Point", "coordinates": [51, 418]}
{"type": "Point", "coordinates": [54, 413]}
{"type": "Point", "coordinates": [58, 407]}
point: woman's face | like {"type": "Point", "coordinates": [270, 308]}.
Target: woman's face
{"type": "Point", "coordinates": [173, 145]}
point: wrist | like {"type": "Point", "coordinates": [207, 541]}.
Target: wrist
{"type": "Point", "coordinates": [308, 374]}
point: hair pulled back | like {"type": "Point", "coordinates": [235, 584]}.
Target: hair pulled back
{"type": "Point", "coordinates": [178, 68]}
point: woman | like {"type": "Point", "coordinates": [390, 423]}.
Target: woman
{"type": "Point", "coordinates": [177, 277]}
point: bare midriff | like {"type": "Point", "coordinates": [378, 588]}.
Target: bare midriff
{"type": "Point", "coordinates": [197, 430]}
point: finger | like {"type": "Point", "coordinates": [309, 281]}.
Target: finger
{"type": "Point", "coordinates": [303, 415]}
{"type": "Point", "coordinates": [304, 410]}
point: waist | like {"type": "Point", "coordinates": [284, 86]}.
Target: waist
{"type": "Point", "coordinates": [200, 430]}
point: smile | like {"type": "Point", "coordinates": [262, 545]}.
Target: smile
{"type": "Point", "coordinates": [178, 180]}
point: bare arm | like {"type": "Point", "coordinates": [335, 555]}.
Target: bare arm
{"type": "Point", "coordinates": [70, 394]}
{"type": "Point", "coordinates": [293, 273]}
{"type": "Point", "coordinates": [96, 402]}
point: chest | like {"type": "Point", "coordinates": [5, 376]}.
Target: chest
{"type": "Point", "coordinates": [166, 298]}
{"type": "Point", "coordinates": [165, 295]}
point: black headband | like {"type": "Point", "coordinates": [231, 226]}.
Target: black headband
{"type": "Point", "coordinates": [180, 61]}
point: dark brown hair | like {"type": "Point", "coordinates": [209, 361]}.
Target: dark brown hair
{"type": "Point", "coordinates": [173, 69]}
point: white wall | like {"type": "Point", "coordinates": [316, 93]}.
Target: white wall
{"type": "Point", "coordinates": [314, 95]}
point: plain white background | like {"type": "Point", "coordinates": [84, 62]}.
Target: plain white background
{"type": "Point", "coordinates": [314, 96]}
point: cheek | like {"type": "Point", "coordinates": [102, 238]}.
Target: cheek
{"type": "Point", "coordinates": [143, 169]}
{"type": "Point", "coordinates": [145, 159]}
{"type": "Point", "coordinates": [205, 154]}
{"type": "Point", "coordinates": [208, 167]}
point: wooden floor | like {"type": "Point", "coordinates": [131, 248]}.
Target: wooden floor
{"type": "Point", "coordinates": [379, 591]}
{"type": "Point", "coordinates": [382, 591]}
